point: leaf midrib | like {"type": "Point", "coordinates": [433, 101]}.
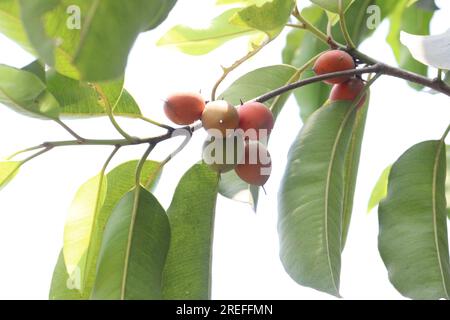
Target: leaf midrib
{"type": "Point", "coordinates": [435, 231]}
{"type": "Point", "coordinates": [327, 191]}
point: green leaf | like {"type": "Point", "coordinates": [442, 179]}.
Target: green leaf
{"type": "Point", "coordinates": [413, 20]}
{"type": "Point", "coordinates": [332, 5]}
{"type": "Point", "coordinates": [413, 240]}
{"type": "Point", "coordinates": [311, 199]}
{"type": "Point", "coordinates": [89, 213]}
{"type": "Point", "coordinates": [242, 2]}
{"type": "Point", "coordinates": [270, 18]}
{"type": "Point", "coordinates": [301, 47]}
{"type": "Point", "coordinates": [11, 25]}
{"type": "Point", "coordinates": [37, 68]}
{"type": "Point", "coordinates": [248, 87]}
{"type": "Point", "coordinates": [352, 166]}
{"type": "Point", "coordinates": [31, 15]}
{"type": "Point", "coordinates": [202, 41]}
{"type": "Point", "coordinates": [134, 249]}
{"type": "Point", "coordinates": [63, 285]}
{"type": "Point", "coordinates": [25, 93]}
{"type": "Point", "coordinates": [81, 50]}
{"type": "Point", "coordinates": [380, 190]}
{"type": "Point", "coordinates": [187, 274]}
{"type": "Point", "coordinates": [82, 99]}
{"type": "Point", "coordinates": [8, 170]}
{"type": "Point", "coordinates": [447, 181]}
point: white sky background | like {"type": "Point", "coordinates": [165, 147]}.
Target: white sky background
{"type": "Point", "coordinates": [246, 264]}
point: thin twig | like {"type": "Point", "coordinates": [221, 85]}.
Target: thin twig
{"type": "Point", "coordinates": [68, 129]}
{"type": "Point", "coordinates": [343, 25]}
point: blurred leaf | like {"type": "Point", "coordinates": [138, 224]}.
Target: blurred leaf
{"type": "Point", "coordinates": [412, 20]}
{"type": "Point", "coordinates": [134, 250]}
{"type": "Point", "coordinates": [37, 68]}
{"type": "Point", "coordinates": [80, 49]}
{"type": "Point", "coordinates": [204, 40]}
{"type": "Point", "coordinates": [187, 274]}
{"type": "Point", "coordinates": [242, 2]}
{"type": "Point", "coordinates": [352, 160]}
{"type": "Point", "coordinates": [332, 5]}
{"type": "Point", "coordinates": [379, 192]}
{"type": "Point", "coordinates": [248, 87]}
{"type": "Point", "coordinates": [90, 211]}
{"type": "Point", "coordinates": [430, 50]}
{"type": "Point", "coordinates": [269, 18]}
{"type": "Point", "coordinates": [63, 285]}
{"type": "Point", "coordinates": [311, 199]}
{"type": "Point", "coordinates": [429, 5]}
{"type": "Point", "coordinates": [8, 170]}
{"type": "Point", "coordinates": [25, 93]}
{"type": "Point", "coordinates": [11, 25]}
{"type": "Point", "coordinates": [413, 240]}
{"type": "Point", "coordinates": [301, 47]}
{"type": "Point", "coordinates": [82, 99]}
{"type": "Point", "coordinates": [31, 15]}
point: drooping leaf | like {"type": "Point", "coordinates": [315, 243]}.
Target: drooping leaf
{"type": "Point", "coordinates": [81, 99]}
{"type": "Point", "coordinates": [430, 50]}
{"type": "Point", "coordinates": [64, 286]}
{"type": "Point", "coordinates": [134, 250]}
{"type": "Point", "coordinates": [413, 240]}
{"type": "Point", "coordinates": [311, 199]}
{"type": "Point", "coordinates": [270, 17]}
{"type": "Point", "coordinates": [248, 87]}
{"type": "Point", "coordinates": [201, 41]}
{"type": "Point", "coordinates": [25, 93]}
{"type": "Point", "coordinates": [380, 190]}
{"type": "Point", "coordinates": [37, 68]}
{"type": "Point", "coordinates": [74, 42]}
{"type": "Point", "coordinates": [352, 167]}
{"type": "Point", "coordinates": [187, 274]}
{"type": "Point", "coordinates": [301, 47]}
{"type": "Point", "coordinates": [414, 20]}
{"type": "Point", "coordinates": [89, 214]}
{"type": "Point", "coordinates": [8, 170]}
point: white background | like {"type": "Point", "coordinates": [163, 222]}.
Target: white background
{"type": "Point", "coordinates": [246, 264]}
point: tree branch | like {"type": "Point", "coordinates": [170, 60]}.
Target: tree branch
{"type": "Point", "coordinates": [379, 68]}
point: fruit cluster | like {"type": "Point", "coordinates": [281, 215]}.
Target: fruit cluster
{"type": "Point", "coordinates": [236, 135]}
{"type": "Point", "coordinates": [346, 88]}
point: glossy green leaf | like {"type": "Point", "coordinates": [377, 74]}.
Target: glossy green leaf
{"type": "Point", "coordinates": [413, 240]}
{"type": "Point", "coordinates": [74, 40]}
{"type": "Point", "coordinates": [270, 18]}
{"type": "Point", "coordinates": [8, 170]}
{"type": "Point", "coordinates": [89, 213]}
{"type": "Point", "coordinates": [201, 41]}
{"type": "Point", "coordinates": [352, 167]}
{"type": "Point", "coordinates": [64, 286]}
{"type": "Point", "coordinates": [82, 99]}
{"type": "Point", "coordinates": [134, 250]}
{"type": "Point", "coordinates": [332, 5]}
{"type": "Point", "coordinates": [25, 93]}
{"type": "Point", "coordinates": [414, 20]}
{"type": "Point", "coordinates": [311, 199]}
{"type": "Point", "coordinates": [380, 190]}
{"type": "Point", "coordinates": [248, 87]}
{"type": "Point", "coordinates": [187, 274]}
{"type": "Point", "coordinates": [301, 47]}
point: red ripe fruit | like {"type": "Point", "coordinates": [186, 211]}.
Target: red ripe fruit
{"type": "Point", "coordinates": [256, 116]}
{"type": "Point", "coordinates": [257, 164]}
{"type": "Point", "coordinates": [184, 108]}
{"type": "Point", "coordinates": [348, 91]}
{"type": "Point", "coordinates": [334, 61]}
